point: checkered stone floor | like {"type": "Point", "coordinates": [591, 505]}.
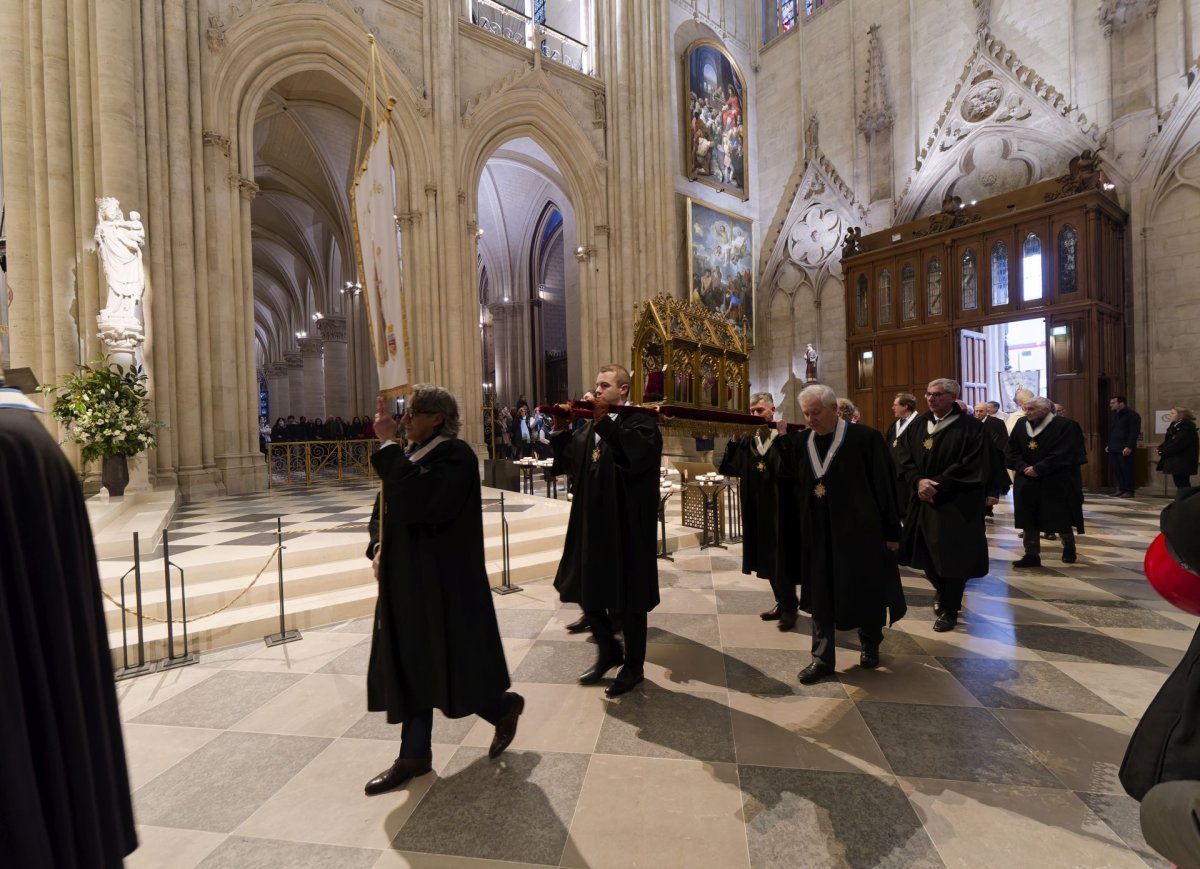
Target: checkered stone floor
{"type": "Point", "coordinates": [993, 745]}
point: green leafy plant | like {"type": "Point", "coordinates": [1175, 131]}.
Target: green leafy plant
{"type": "Point", "coordinates": [103, 409]}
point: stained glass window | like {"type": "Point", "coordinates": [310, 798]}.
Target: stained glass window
{"type": "Point", "coordinates": [908, 292]}
{"type": "Point", "coordinates": [787, 14]}
{"type": "Point", "coordinates": [970, 281]}
{"type": "Point", "coordinates": [885, 296]}
{"type": "Point", "coordinates": [1031, 268]}
{"type": "Point", "coordinates": [1068, 269]}
{"type": "Point", "coordinates": [860, 301]}
{"type": "Point", "coordinates": [999, 274]}
{"type": "Point", "coordinates": [933, 287]}
{"type": "Point", "coordinates": [811, 6]}
{"type": "Point", "coordinates": [539, 11]}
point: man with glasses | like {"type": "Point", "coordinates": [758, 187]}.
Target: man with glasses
{"type": "Point", "coordinates": [766, 499]}
{"type": "Point", "coordinates": [946, 464]}
{"type": "Point", "coordinates": [436, 644]}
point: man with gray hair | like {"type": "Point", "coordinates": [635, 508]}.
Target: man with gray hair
{"type": "Point", "coordinates": [1047, 494]}
{"type": "Point", "coordinates": [767, 498]}
{"type": "Point", "coordinates": [436, 644]}
{"type": "Point", "coordinates": [945, 462]}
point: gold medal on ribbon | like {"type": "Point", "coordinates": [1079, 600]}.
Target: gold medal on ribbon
{"type": "Point", "coordinates": [819, 491]}
{"type": "Point", "coordinates": [596, 454]}
{"type": "Point", "coordinates": [1033, 445]}
{"type": "Point", "coordinates": [928, 444]}
{"type": "Point", "coordinates": [762, 466]}
{"type": "Point", "coordinates": [895, 443]}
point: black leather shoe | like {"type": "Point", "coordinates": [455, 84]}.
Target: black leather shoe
{"type": "Point", "coordinates": [398, 773]}
{"type": "Point", "coordinates": [578, 626]}
{"type": "Point", "coordinates": [506, 727]}
{"type": "Point", "coordinates": [945, 622]}
{"type": "Point", "coordinates": [1028, 561]}
{"type": "Point", "coordinates": [815, 672]}
{"type": "Point", "coordinates": [787, 620]}
{"type": "Point", "coordinates": [771, 615]}
{"type": "Point", "coordinates": [1069, 556]}
{"type": "Point", "coordinates": [869, 659]}
{"type": "Point", "coordinates": [624, 683]}
{"type": "Point", "coordinates": [602, 666]}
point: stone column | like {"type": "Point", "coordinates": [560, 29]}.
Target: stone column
{"type": "Point", "coordinates": [295, 365]}
{"type": "Point", "coordinates": [279, 398]}
{"type": "Point", "coordinates": [337, 386]}
{"type": "Point", "coordinates": [314, 377]}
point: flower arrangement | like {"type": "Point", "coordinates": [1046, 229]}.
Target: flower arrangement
{"type": "Point", "coordinates": [103, 408]}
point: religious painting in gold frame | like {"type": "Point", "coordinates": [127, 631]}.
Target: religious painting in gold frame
{"type": "Point", "coordinates": [721, 265]}
{"type": "Point", "coordinates": [714, 119]}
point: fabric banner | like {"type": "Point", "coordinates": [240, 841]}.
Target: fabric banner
{"type": "Point", "coordinates": [1011, 381]}
{"type": "Point", "coordinates": [380, 263]}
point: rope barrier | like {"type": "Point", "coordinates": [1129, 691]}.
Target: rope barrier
{"type": "Point", "coordinates": [241, 594]}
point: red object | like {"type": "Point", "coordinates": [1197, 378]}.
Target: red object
{"type": "Point", "coordinates": [1177, 585]}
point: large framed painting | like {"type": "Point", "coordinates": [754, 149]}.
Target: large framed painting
{"type": "Point", "coordinates": [721, 264]}
{"type": "Point", "coordinates": [714, 108]}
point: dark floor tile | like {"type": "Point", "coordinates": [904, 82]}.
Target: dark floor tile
{"type": "Point", "coordinates": [726, 562]}
{"type": "Point", "coordinates": [1024, 685]}
{"type": "Point", "coordinates": [952, 742]}
{"type": "Point", "coordinates": [220, 701]}
{"type": "Point", "coordinates": [1117, 614]}
{"type": "Point", "coordinates": [1066, 643]}
{"type": "Point", "coordinates": [655, 723]}
{"type": "Point", "coordinates": [222, 783]}
{"type": "Point", "coordinates": [352, 662]}
{"type": "Point", "coordinates": [801, 817]}
{"type": "Point", "coordinates": [261, 539]}
{"type": "Point", "coordinates": [684, 628]}
{"type": "Point", "coordinates": [678, 578]}
{"type": "Point", "coordinates": [773, 672]}
{"type": "Point", "coordinates": [517, 808]}
{"type": "Point", "coordinates": [1122, 814]}
{"type": "Point", "coordinates": [1128, 589]}
{"type": "Point", "coordinates": [524, 624]}
{"type": "Point", "coordinates": [243, 852]}
{"type": "Point", "coordinates": [744, 601]}
{"type": "Point", "coordinates": [446, 731]}
{"type": "Point", "coordinates": [558, 662]}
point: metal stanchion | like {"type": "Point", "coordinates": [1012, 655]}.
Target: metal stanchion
{"type": "Point", "coordinates": [125, 671]}
{"type": "Point", "coordinates": [172, 660]}
{"type": "Point", "coordinates": [733, 505]}
{"type": "Point", "coordinates": [284, 635]}
{"type": "Point", "coordinates": [506, 586]}
{"type": "Point", "coordinates": [662, 522]}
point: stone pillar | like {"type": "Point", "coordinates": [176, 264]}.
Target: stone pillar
{"type": "Point", "coordinates": [279, 398]}
{"type": "Point", "coordinates": [337, 386]}
{"type": "Point", "coordinates": [314, 377]}
{"type": "Point", "coordinates": [295, 365]}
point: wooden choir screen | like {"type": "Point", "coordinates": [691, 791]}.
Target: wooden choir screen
{"type": "Point", "coordinates": [1055, 250]}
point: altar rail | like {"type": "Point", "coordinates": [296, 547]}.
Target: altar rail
{"type": "Point", "coordinates": [309, 462]}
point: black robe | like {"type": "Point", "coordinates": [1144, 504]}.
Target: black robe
{"type": "Point", "coordinates": [847, 573]}
{"type": "Point", "coordinates": [763, 492]}
{"type": "Point", "coordinates": [64, 788]}
{"type": "Point", "coordinates": [610, 554]}
{"type": "Point", "coordinates": [997, 432]}
{"type": "Point", "coordinates": [436, 642]}
{"type": "Point", "coordinates": [1179, 449]}
{"type": "Point", "coordinates": [949, 535]}
{"type": "Point", "coordinates": [1053, 500]}
{"type": "Point", "coordinates": [895, 452]}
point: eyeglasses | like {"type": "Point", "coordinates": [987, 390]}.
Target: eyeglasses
{"type": "Point", "coordinates": [935, 394]}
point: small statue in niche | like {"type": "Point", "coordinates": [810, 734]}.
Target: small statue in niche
{"type": "Point", "coordinates": [810, 364]}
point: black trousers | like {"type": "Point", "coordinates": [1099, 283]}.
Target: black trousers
{"type": "Point", "coordinates": [824, 640]}
{"type": "Point", "coordinates": [416, 733]}
{"type": "Point", "coordinates": [1122, 468]}
{"type": "Point", "coordinates": [1033, 541]}
{"type": "Point", "coordinates": [1182, 481]}
{"type": "Point", "coordinates": [785, 593]}
{"type": "Point", "coordinates": [950, 589]}
{"type": "Point", "coordinates": [633, 625]}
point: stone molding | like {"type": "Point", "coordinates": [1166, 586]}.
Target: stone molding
{"type": "Point", "coordinates": [215, 139]}
{"type": "Point", "coordinates": [332, 329]}
{"type": "Point", "coordinates": [1116, 15]}
{"type": "Point", "coordinates": [310, 346]}
{"type": "Point", "coordinates": [293, 361]}
{"type": "Point", "coordinates": [245, 186]}
{"type": "Point", "coordinates": [877, 114]}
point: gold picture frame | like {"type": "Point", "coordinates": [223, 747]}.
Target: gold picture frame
{"type": "Point", "coordinates": [715, 119]}
{"type": "Point", "coordinates": [720, 255]}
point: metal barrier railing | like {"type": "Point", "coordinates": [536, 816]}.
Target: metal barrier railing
{"type": "Point", "coordinates": [310, 462]}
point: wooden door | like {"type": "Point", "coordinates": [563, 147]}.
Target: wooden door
{"type": "Point", "coordinates": [973, 367]}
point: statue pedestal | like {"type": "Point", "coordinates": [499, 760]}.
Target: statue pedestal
{"type": "Point", "coordinates": [122, 340]}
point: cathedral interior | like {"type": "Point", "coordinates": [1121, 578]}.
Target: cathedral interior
{"type": "Point", "coordinates": [868, 193]}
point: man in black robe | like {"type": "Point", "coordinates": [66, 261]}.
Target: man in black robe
{"type": "Point", "coordinates": [946, 465]}
{"type": "Point", "coordinates": [1124, 427]}
{"type": "Point", "coordinates": [610, 563]}
{"type": "Point", "coordinates": [766, 501]}
{"type": "Point", "coordinates": [848, 531]}
{"type": "Point", "coordinates": [436, 643]}
{"type": "Point", "coordinates": [64, 788]}
{"type": "Point", "coordinates": [997, 432]}
{"type": "Point", "coordinates": [1047, 494]}
{"type": "Point", "coordinates": [904, 409]}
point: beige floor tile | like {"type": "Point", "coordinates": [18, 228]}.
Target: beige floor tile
{"type": "Point", "coordinates": [135, 696]}
{"type": "Point", "coordinates": [637, 811]}
{"type": "Point", "coordinates": [989, 641]}
{"type": "Point", "coordinates": [751, 632]}
{"type": "Point", "coordinates": [902, 679]}
{"type": "Point", "coordinates": [325, 803]}
{"type": "Point", "coordinates": [1049, 586]}
{"type": "Point", "coordinates": [318, 705]}
{"type": "Point", "coordinates": [687, 600]}
{"type": "Point", "coordinates": [151, 749]}
{"type": "Point", "coordinates": [805, 733]}
{"type": "Point", "coordinates": [1165, 646]}
{"type": "Point", "coordinates": [556, 718]}
{"type": "Point", "coordinates": [1129, 689]}
{"type": "Point", "coordinates": [737, 580]}
{"type": "Point", "coordinates": [413, 860]}
{"type": "Point", "coordinates": [977, 825]}
{"type": "Point", "coordinates": [314, 651]}
{"type": "Point", "coordinates": [159, 847]}
{"type": "Point", "coordinates": [1083, 750]}
{"type": "Point", "coordinates": [681, 667]}
{"type": "Point", "coordinates": [1017, 612]}
{"type": "Point", "coordinates": [515, 650]}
